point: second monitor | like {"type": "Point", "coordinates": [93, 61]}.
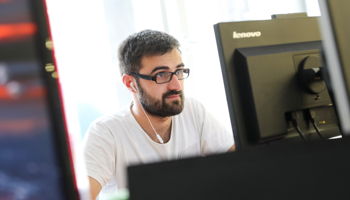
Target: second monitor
{"type": "Point", "coordinates": [274, 81]}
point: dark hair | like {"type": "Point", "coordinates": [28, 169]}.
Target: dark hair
{"type": "Point", "coordinates": [144, 43]}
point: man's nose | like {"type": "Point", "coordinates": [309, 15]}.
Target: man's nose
{"type": "Point", "coordinates": [174, 84]}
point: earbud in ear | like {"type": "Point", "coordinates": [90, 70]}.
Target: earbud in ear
{"type": "Point", "coordinates": [132, 86]}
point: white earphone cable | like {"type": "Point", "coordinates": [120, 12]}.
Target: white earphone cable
{"type": "Point", "coordinates": [158, 136]}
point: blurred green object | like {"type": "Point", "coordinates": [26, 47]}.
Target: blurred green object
{"type": "Point", "coordinates": [122, 194]}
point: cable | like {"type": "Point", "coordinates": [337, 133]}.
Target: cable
{"type": "Point", "coordinates": [294, 117]}
{"type": "Point", "coordinates": [317, 129]}
{"type": "Point", "coordinates": [298, 130]}
{"type": "Point", "coordinates": [313, 121]}
{"type": "Point", "coordinates": [158, 136]}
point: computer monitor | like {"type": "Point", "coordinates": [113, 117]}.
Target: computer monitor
{"type": "Point", "coordinates": [312, 170]}
{"type": "Point", "coordinates": [335, 33]}
{"type": "Point", "coordinates": [273, 76]}
{"type": "Point", "coordinates": [35, 160]}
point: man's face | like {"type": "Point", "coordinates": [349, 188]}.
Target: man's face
{"type": "Point", "coordinates": [165, 99]}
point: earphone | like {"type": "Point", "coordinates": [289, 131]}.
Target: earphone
{"type": "Point", "coordinates": [132, 86]}
{"type": "Point", "coordinates": [157, 135]}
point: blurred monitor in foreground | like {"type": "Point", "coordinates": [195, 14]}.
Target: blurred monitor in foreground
{"type": "Point", "coordinates": [312, 170]}
{"type": "Point", "coordinates": [273, 76]}
{"type": "Point", "coordinates": [35, 161]}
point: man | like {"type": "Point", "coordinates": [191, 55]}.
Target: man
{"type": "Point", "coordinates": [159, 124]}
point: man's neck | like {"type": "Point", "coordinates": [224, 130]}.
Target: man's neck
{"type": "Point", "coordinates": [162, 125]}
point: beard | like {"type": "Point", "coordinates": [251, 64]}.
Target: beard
{"type": "Point", "coordinates": [161, 108]}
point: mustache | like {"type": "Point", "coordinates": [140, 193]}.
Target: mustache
{"type": "Point", "coordinates": [172, 92]}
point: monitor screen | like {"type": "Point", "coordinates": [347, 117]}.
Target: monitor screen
{"type": "Point", "coordinates": [35, 161]}
{"type": "Point", "coordinates": [273, 76]}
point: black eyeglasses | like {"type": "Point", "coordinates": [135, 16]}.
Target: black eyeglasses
{"type": "Point", "coordinates": [164, 77]}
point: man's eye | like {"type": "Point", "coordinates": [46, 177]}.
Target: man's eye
{"type": "Point", "coordinates": [161, 75]}
{"type": "Point", "coordinates": [180, 71]}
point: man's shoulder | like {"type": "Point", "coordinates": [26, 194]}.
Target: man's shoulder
{"type": "Point", "coordinates": [119, 116]}
{"type": "Point", "coordinates": [192, 104]}
{"type": "Point", "coordinates": [111, 125]}
{"type": "Point", "coordinates": [191, 101]}
{"type": "Point", "coordinates": [192, 107]}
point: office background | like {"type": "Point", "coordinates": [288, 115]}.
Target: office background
{"type": "Point", "coordinates": [87, 33]}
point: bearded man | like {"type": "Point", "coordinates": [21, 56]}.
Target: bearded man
{"type": "Point", "coordinates": [159, 124]}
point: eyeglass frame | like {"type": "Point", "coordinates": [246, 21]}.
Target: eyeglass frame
{"type": "Point", "coordinates": [154, 78]}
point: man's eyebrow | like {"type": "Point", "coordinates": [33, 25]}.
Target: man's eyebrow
{"type": "Point", "coordinates": [159, 68]}
{"type": "Point", "coordinates": [180, 65]}
{"type": "Point", "coordinates": [166, 67]}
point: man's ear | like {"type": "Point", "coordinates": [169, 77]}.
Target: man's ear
{"type": "Point", "coordinates": [127, 80]}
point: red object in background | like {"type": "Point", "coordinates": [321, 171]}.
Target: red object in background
{"type": "Point", "coordinates": [12, 32]}
{"type": "Point", "coordinates": [3, 93]}
{"type": "Point", "coordinates": [34, 92]}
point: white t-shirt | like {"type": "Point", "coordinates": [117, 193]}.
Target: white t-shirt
{"type": "Point", "coordinates": [116, 141]}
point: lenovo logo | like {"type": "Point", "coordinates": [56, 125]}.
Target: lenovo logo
{"type": "Point", "coordinates": [246, 34]}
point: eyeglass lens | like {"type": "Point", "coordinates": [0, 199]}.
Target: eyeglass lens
{"type": "Point", "coordinates": [166, 76]}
